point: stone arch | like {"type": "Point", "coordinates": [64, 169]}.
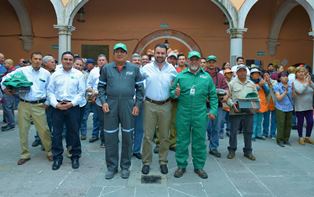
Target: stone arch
{"type": "Point", "coordinates": [25, 23]}
{"type": "Point", "coordinates": [75, 10]}
{"type": "Point", "coordinates": [166, 34]}
{"type": "Point", "coordinates": [229, 10]}
{"type": "Point", "coordinates": [278, 21]}
{"type": "Point", "coordinates": [244, 11]}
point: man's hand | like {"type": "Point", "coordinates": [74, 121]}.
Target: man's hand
{"type": "Point", "coordinates": [135, 111]}
{"type": "Point", "coordinates": [261, 83]}
{"type": "Point", "coordinates": [178, 90]}
{"type": "Point", "coordinates": [235, 108]}
{"type": "Point", "coordinates": [105, 107]}
{"type": "Point", "coordinates": [68, 105]}
{"type": "Point", "coordinates": [225, 99]}
{"type": "Point", "coordinates": [211, 116]}
{"type": "Point", "coordinates": [60, 106]}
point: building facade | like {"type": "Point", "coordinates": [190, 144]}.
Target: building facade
{"type": "Point", "coordinates": [278, 31]}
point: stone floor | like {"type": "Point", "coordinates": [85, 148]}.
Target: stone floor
{"type": "Point", "coordinates": [276, 172]}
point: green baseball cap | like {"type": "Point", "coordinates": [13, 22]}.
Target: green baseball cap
{"type": "Point", "coordinates": [211, 58]}
{"type": "Point", "coordinates": [120, 45]}
{"type": "Point", "coordinates": [194, 54]}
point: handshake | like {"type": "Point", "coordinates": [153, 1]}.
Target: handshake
{"type": "Point", "coordinates": [91, 95]}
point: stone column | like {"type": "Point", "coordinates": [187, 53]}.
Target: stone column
{"type": "Point", "coordinates": [65, 32]}
{"type": "Point", "coordinates": [236, 42]}
{"type": "Point", "coordinates": [312, 36]}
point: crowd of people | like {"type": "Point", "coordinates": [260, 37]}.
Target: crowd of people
{"type": "Point", "coordinates": [160, 102]}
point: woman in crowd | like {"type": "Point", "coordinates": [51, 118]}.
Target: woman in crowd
{"type": "Point", "coordinates": [284, 108]}
{"type": "Point", "coordinates": [304, 88]}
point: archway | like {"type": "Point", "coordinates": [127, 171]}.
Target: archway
{"type": "Point", "coordinates": [168, 34]}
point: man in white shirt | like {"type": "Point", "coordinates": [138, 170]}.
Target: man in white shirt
{"type": "Point", "coordinates": [32, 106]}
{"type": "Point", "coordinates": [92, 83]}
{"type": "Point", "coordinates": [157, 107]}
{"type": "Point", "coordinates": [65, 91]}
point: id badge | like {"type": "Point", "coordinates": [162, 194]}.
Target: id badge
{"type": "Point", "coordinates": [192, 91]}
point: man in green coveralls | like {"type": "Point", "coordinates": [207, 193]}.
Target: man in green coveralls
{"type": "Point", "coordinates": [193, 87]}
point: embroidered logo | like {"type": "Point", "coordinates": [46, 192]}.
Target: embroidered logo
{"type": "Point", "coordinates": [203, 76]}
{"type": "Point", "coordinates": [129, 73]}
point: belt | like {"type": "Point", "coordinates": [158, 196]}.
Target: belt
{"type": "Point", "coordinates": [33, 102]}
{"type": "Point", "coordinates": [158, 102]}
{"type": "Point", "coordinates": [64, 101]}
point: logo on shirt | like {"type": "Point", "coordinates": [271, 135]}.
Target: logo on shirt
{"type": "Point", "coordinates": [203, 76]}
{"type": "Point", "coordinates": [129, 73]}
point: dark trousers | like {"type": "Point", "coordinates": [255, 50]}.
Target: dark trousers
{"type": "Point", "coordinates": [308, 115]}
{"type": "Point", "coordinates": [8, 109]}
{"type": "Point", "coordinates": [100, 116]}
{"type": "Point", "coordinates": [283, 125]}
{"type": "Point", "coordinates": [70, 118]}
{"type": "Point", "coordinates": [247, 126]}
{"type": "Point", "coordinates": [120, 112]}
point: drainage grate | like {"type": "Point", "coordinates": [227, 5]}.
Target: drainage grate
{"type": "Point", "coordinates": [151, 179]}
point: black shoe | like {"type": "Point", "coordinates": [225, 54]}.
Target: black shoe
{"type": "Point", "coordinates": [137, 155]}
{"type": "Point", "coordinates": [287, 143]}
{"type": "Point", "coordinates": [164, 169]}
{"type": "Point", "coordinates": [250, 156]}
{"type": "Point", "coordinates": [201, 173]}
{"type": "Point", "coordinates": [294, 127]}
{"type": "Point", "coordinates": [173, 148]}
{"type": "Point", "coordinates": [156, 149]}
{"type": "Point", "coordinates": [260, 137]}
{"type": "Point", "coordinates": [75, 163]}
{"type": "Point", "coordinates": [7, 128]}
{"type": "Point", "coordinates": [179, 172]}
{"type": "Point", "coordinates": [280, 144]}
{"type": "Point", "coordinates": [37, 142]}
{"type": "Point", "coordinates": [215, 153]}
{"type": "Point", "coordinates": [93, 139]}
{"type": "Point", "coordinates": [145, 169]}
{"type": "Point", "coordinates": [56, 164]}
{"type": "Point", "coordinates": [83, 137]}
{"type": "Point", "coordinates": [231, 155]}
{"type": "Point", "coordinates": [102, 144]}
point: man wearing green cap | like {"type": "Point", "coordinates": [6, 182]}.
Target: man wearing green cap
{"type": "Point", "coordinates": [193, 87]}
{"type": "Point", "coordinates": [119, 81]}
{"type": "Point", "coordinates": [215, 126]}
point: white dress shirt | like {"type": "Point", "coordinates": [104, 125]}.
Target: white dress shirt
{"type": "Point", "coordinates": [40, 79]}
{"type": "Point", "coordinates": [158, 81]}
{"type": "Point", "coordinates": [66, 86]}
{"type": "Point", "coordinates": [93, 79]}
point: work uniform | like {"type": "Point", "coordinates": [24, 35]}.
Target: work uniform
{"type": "Point", "coordinates": [117, 88]}
{"type": "Point", "coordinates": [192, 115]}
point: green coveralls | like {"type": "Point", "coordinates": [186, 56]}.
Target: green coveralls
{"type": "Point", "coordinates": [192, 117]}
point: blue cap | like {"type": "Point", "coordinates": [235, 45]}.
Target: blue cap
{"type": "Point", "coordinates": [90, 61]}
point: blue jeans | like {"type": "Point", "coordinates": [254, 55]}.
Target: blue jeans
{"type": "Point", "coordinates": [272, 116]}
{"type": "Point", "coordinates": [227, 122]}
{"type": "Point", "coordinates": [90, 107]}
{"type": "Point", "coordinates": [8, 109]}
{"type": "Point", "coordinates": [257, 125]}
{"type": "Point", "coordinates": [214, 126]}
{"type": "Point", "coordinates": [138, 132]}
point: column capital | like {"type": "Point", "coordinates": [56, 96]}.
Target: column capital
{"type": "Point", "coordinates": [236, 32]}
{"type": "Point", "coordinates": [27, 42]}
{"type": "Point", "coordinates": [272, 46]}
{"type": "Point", "coordinates": [64, 29]}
